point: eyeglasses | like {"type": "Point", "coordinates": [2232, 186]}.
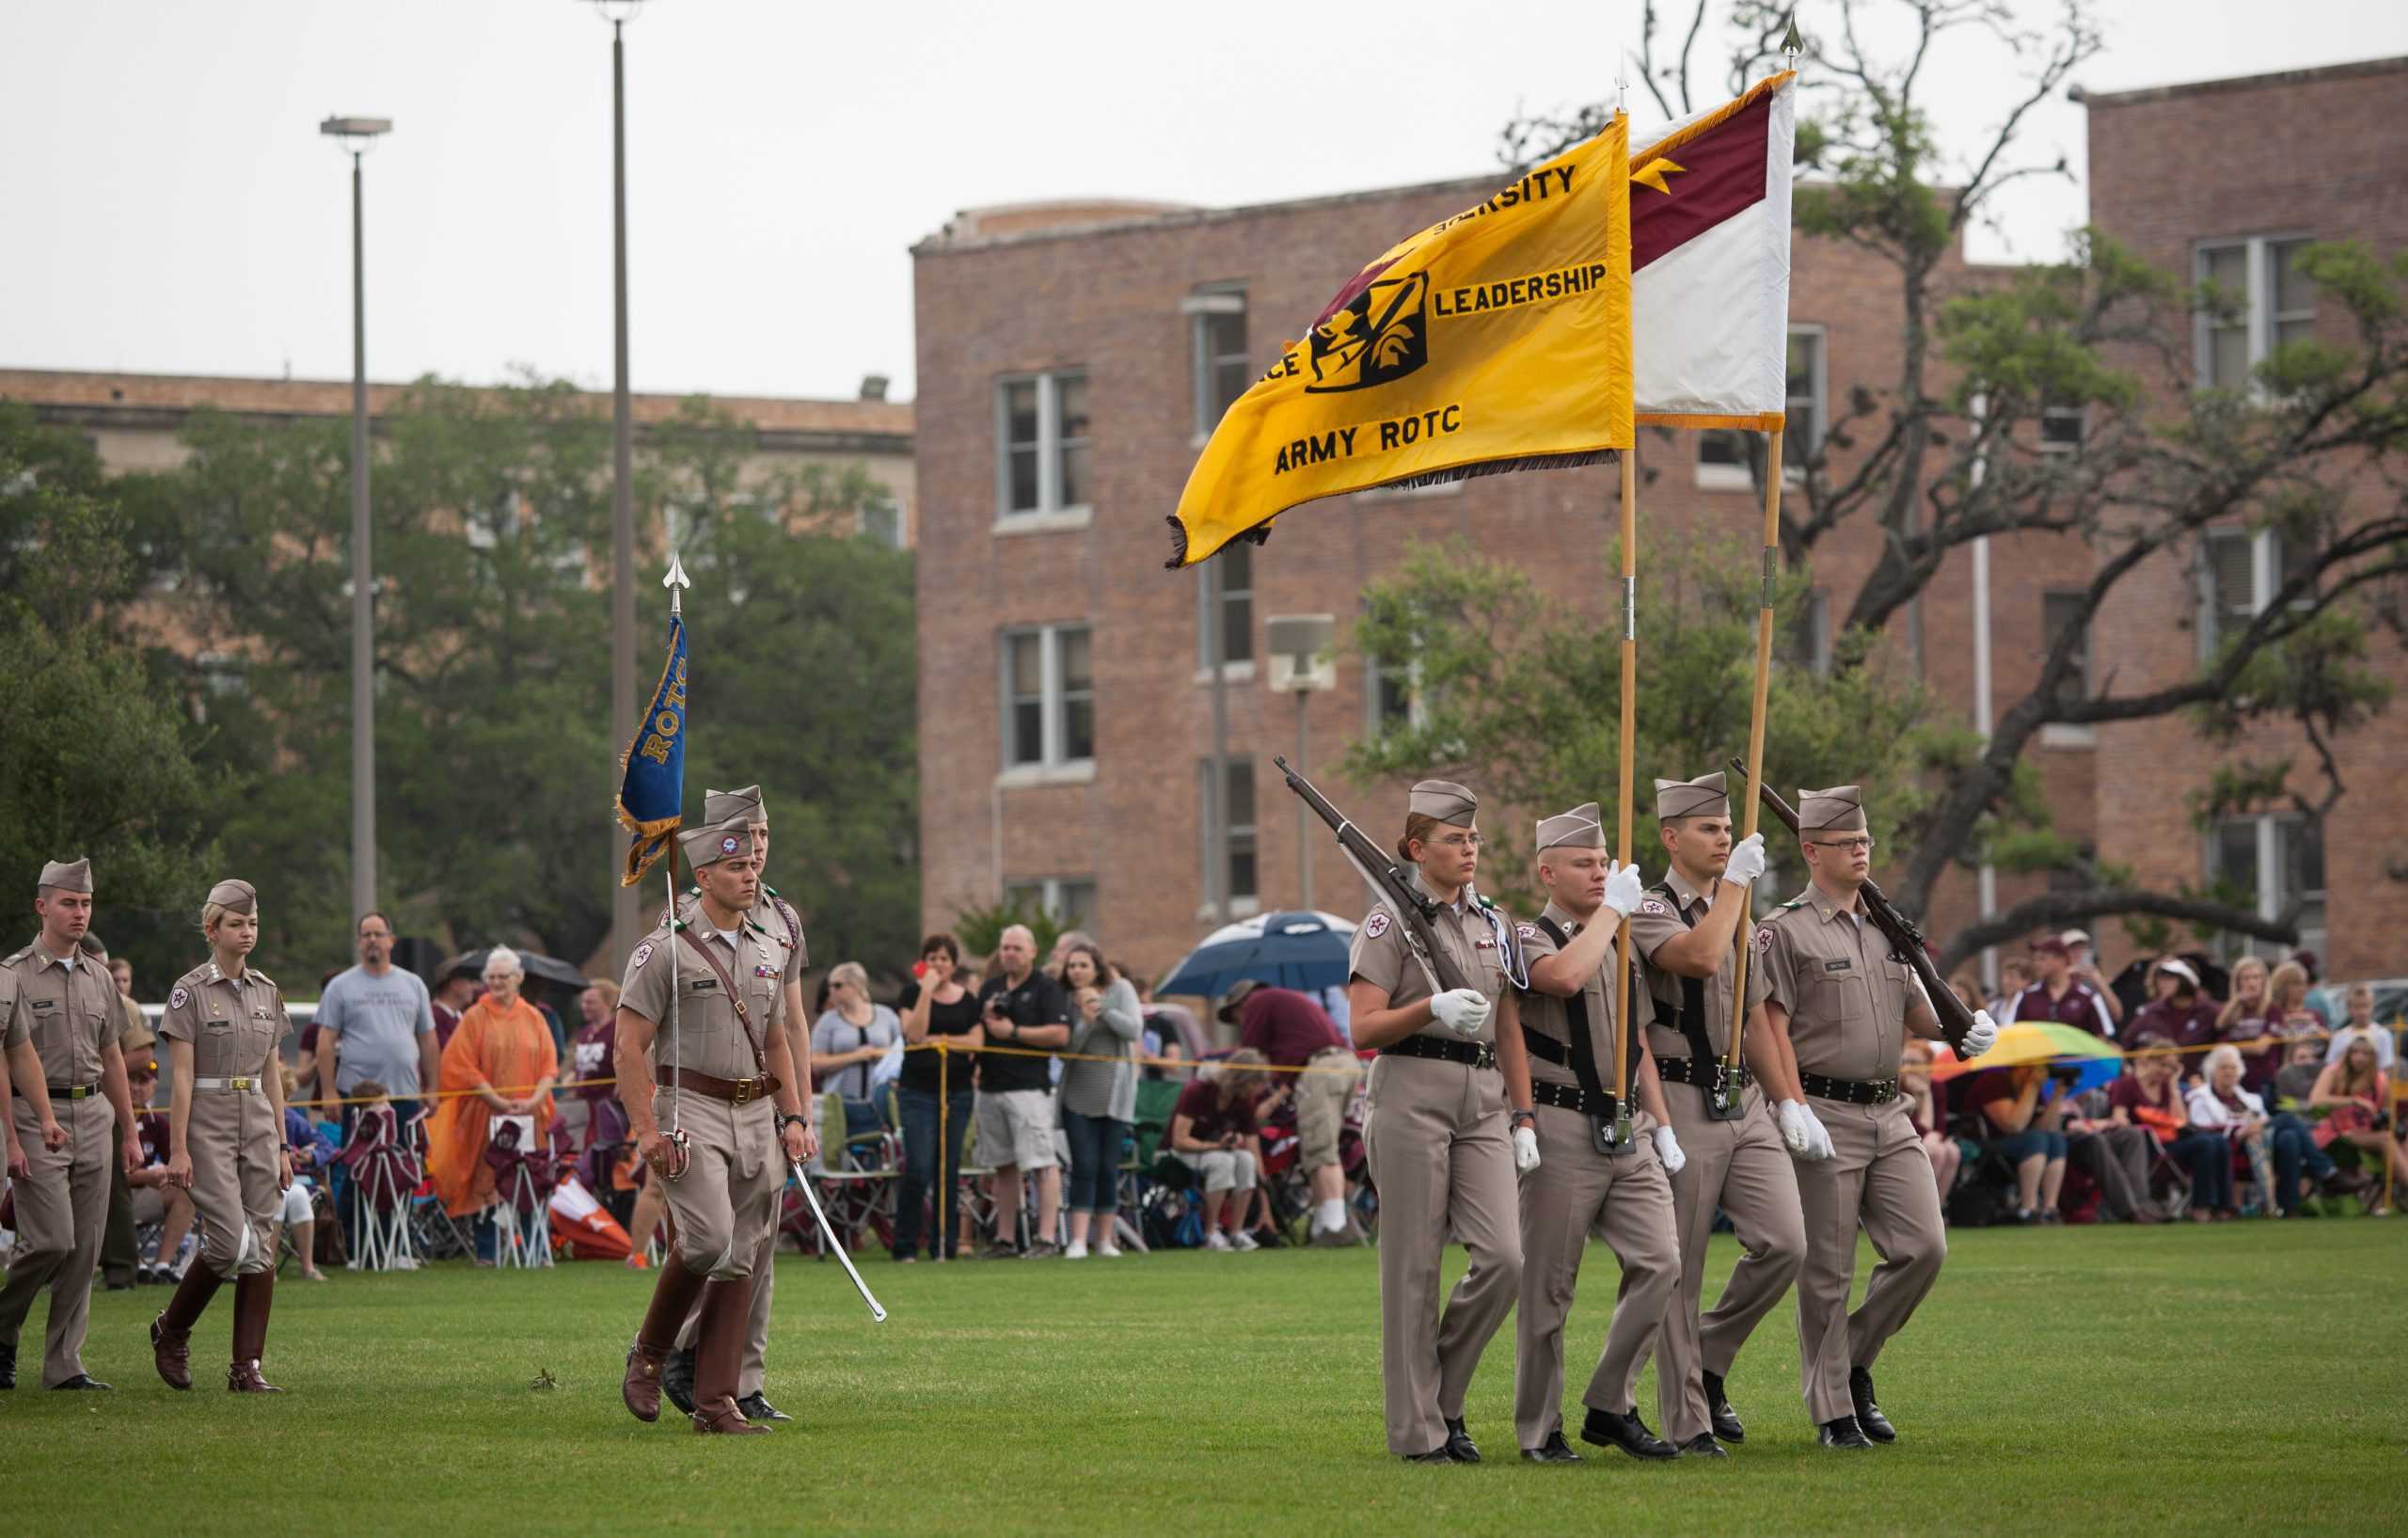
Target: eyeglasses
{"type": "Point", "coordinates": [1852, 844]}
{"type": "Point", "coordinates": [1460, 841]}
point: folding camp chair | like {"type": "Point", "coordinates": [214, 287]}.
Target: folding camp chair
{"type": "Point", "coordinates": [521, 1210]}
{"type": "Point", "coordinates": [855, 1178]}
{"type": "Point", "coordinates": [385, 1172]}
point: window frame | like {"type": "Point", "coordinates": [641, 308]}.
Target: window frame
{"type": "Point", "coordinates": [1209, 301]}
{"type": "Point", "coordinates": [1235, 668]}
{"type": "Point", "coordinates": [2257, 313]}
{"type": "Point", "coordinates": [1049, 892]}
{"type": "Point", "coordinates": [1376, 671]}
{"type": "Point", "coordinates": [1054, 698]}
{"type": "Point", "coordinates": [1050, 510]}
{"type": "Point", "coordinates": [2271, 854]}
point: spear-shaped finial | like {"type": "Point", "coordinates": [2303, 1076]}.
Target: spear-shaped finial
{"type": "Point", "coordinates": [675, 580]}
{"type": "Point", "coordinates": [1621, 85]}
{"type": "Point", "coordinates": [1791, 43]}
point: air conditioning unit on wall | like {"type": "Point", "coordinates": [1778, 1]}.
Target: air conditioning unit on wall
{"type": "Point", "coordinates": [1303, 655]}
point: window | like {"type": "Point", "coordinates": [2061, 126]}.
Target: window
{"type": "Point", "coordinates": [1806, 392]}
{"type": "Point", "coordinates": [221, 675]}
{"type": "Point", "coordinates": [2239, 572]}
{"type": "Point", "coordinates": [1041, 429]}
{"type": "Point", "coordinates": [2278, 859]}
{"type": "Point", "coordinates": [2061, 610]}
{"type": "Point", "coordinates": [1722, 461]}
{"type": "Point", "coordinates": [881, 520]}
{"type": "Point", "coordinates": [1806, 635]}
{"type": "Point", "coordinates": [2265, 301]}
{"type": "Point", "coordinates": [1233, 567]}
{"type": "Point", "coordinates": [1216, 341]}
{"type": "Point", "coordinates": [1049, 698]}
{"type": "Point", "coordinates": [1244, 866]}
{"type": "Point", "coordinates": [1069, 900]}
{"type": "Point", "coordinates": [1392, 696]}
{"type": "Point", "coordinates": [2061, 429]}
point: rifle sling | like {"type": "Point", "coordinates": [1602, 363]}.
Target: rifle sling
{"type": "Point", "coordinates": [1584, 1046]}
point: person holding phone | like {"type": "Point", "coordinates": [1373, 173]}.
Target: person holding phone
{"type": "Point", "coordinates": [1214, 1133]}
{"type": "Point", "coordinates": [2023, 1128]}
{"type": "Point", "coordinates": [934, 1095]}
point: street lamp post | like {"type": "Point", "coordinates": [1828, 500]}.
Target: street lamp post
{"type": "Point", "coordinates": [1302, 664]}
{"type": "Point", "coordinates": [357, 135]}
{"type": "Point", "coordinates": [625, 923]}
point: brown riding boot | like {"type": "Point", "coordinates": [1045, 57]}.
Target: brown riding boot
{"type": "Point", "coordinates": [718, 1353]}
{"type": "Point", "coordinates": [254, 1295]}
{"type": "Point", "coordinates": [171, 1332]}
{"type": "Point", "coordinates": [672, 1294]}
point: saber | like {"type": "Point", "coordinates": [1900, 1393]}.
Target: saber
{"type": "Point", "coordinates": [877, 1314]}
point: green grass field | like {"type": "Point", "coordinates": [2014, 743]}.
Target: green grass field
{"type": "Point", "coordinates": [2240, 1378]}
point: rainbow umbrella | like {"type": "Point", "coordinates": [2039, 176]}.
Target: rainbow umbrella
{"type": "Point", "coordinates": [2095, 1061]}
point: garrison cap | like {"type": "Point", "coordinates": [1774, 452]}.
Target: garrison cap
{"type": "Point", "coordinates": [1446, 800]}
{"type": "Point", "coordinates": [238, 897]}
{"type": "Point", "coordinates": [75, 876]}
{"type": "Point", "coordinates": [1703, 796]}
{"type": "Point", "coordinates": [91, 946]}
{"type": "Point", "coordinates": [709, 846]}
{"type": "Point", "coordinates": [1840, 810]}
{"type": "Point", "coordinates": [1579, 828]}
{"type": "Point", "coordinates": [724, 806]}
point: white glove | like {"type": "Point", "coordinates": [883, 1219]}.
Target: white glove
{"type": "Point", "coordinates": [1464, 1011]}
{"type": "Point", "coordinates": [1525, 1150]}
{"type": "Point", "coordinates": [1981, 1039]}
{"type": "Point", "coordinates": [1800, 1132]}
{"type": "Point", "coordinates": [1747, 861]}
{"type": "Point", "coordinates": [1624, 887]}
{"type": "Point", "coordinates": [1667, 1152]}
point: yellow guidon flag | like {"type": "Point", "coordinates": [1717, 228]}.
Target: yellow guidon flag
{"type": "Point", "coordinates": [1497, 339]}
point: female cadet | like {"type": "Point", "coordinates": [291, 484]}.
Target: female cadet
{"type": "Point", "coordinates": [1443, 1152]}
{"type": "Point", "coordinates": [224, 1136]}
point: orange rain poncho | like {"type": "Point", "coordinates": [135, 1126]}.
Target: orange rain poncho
{"type": "Point", "coordinates": [508, 1049]}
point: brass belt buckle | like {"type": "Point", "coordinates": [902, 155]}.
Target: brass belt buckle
{"type": "Point", "coordinates": [238, 1083]}
{"type": "Point", "coordinates": [744, 1090]}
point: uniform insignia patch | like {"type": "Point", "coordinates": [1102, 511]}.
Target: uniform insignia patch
{"type": "Point", "coordinates": [1653, 905]}
{"type": "Point", "coordinates": [727, 845]}
{"type": "Point", "coordinates": [644, 954]}
{"type": "Point", "coordinates": [765, 972]}
{"type": "Point", "coordinates": [1527, 932]}
{"type": "Point", "coordinates": [1376, 926]}
{"type": "Point", "coordinates": [1484, 944]}
{"type": "Point", "coordinates": [1764, 937]}
{"type": "Point", "coordinates": [177, 999]}
{"type": "Point", "coordinates": [1842, 964]}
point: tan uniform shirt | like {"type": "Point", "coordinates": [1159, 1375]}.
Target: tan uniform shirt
{"type": "Point", "coordinates": [1658, 921]}
{"type": "Point", "coordinates": [234, 1024]}
{"type": "Point", "coordinates": [776, 918]}
{"type": "Point", "coordinates": [1831, 971]}
{"type": "Point", "coordinates": [1381, 956]}
{"type": "Point", "coordinates": [709, 1039]}
{"type": "Point", "coordinates": [1545, 1014]}
{"type": "Point", "coordinates": [68, 1012]}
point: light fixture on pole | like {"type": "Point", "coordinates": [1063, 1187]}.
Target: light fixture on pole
{"type": "Point", "coordinates": [356, 136]}
{"type": "Point", "coordinates": [1302, 664]}
{"type": "Point", "coordinates": [625, 923]}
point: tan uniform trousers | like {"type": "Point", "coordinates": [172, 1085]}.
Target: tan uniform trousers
{"type": "Point", "coordinates": [234, 1141]}
{"type": "Point", "coordinates": [1741, 1167]}
{"type": "Point", "coordinates": [1321, 1098]}
{"type": "Point", "coordinates": [1879, 1175]}
{"type": "Point", "coordinates": [754, 1372]}
{"type": "Point", "coordinates": [61, 1209]}
{"type": "Point", "coordinates": [723, 1203]}
{"type": "Point", "coordinates": [1575, 1192]}
{"type": "Point", "coordinates": [1440, 1157]}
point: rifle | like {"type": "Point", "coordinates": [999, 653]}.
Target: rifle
{"type": "Point", "coordinates": [1905, 937]}
{"type": "Point", "coordinates": [1413, 911]}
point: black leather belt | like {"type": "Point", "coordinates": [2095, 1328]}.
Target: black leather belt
{"type": "Point", "coordinates": [62, 1091]}
{"type": "Point", "coordinates": [1571, 1097]}
{"type": "Point", "coordinates": [1476, 1053]}
{"type": "Point", "coordinates": [1685, 1070]}
{"type": "Point", "coordinates": [1546, 1048]}
{"type": "Point", "coordinates": [1851, 1091]}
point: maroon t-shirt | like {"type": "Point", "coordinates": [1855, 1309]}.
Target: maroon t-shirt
{"type": "Point", "coordinates": [2180, 1027]}
{"type": "Point", "coordinates": [1210, 1119]}
{"type": "Point", "coordinates": [1991, 1084]}
{"type": "Point", "coordinates": [1286, 1026]}
{"type": "Point", "coordinates": [2129, 1093]}
{"type": "Point", "coordinates": [590, 1054]}
{"type": "Point", "coordinates": [2080, 1007]}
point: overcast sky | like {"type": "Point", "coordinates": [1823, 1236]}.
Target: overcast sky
{"type": "Point", "coordinates": [171, 208]}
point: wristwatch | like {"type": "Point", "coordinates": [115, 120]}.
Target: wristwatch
{"type": "Point", "coordinates": [1521, 1116]}
{"type": "Point", "coordinates": [785, 1118]}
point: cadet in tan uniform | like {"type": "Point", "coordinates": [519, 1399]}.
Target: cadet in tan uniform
{"type": "Point", "coordinates": [703, 1004]}
{"type": "Point", "coordinates": [1833, 1009]}
{"type": "Point", "coordinates": [224, 1023]}
{"type": "Point", "coordinates": [1441, 1151]}
{"type": "Point", "coordinates": [1586, 1181]}
{"type": "Point", "coordinates": [774, 916]}
{"type": "Point", "coordinates": [66, 1076]}
{"type": "Point", "coordinates": [1687, 926]}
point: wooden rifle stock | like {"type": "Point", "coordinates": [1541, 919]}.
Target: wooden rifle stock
{"type": "Point", "coordinates": [1414, 910]}
{"type": "Point", "coordinates": [1905, 937]}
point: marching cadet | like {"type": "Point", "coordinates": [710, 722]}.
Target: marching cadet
{"type": "Point", "coordinates": [67, 1076]}
{"type": "Point", "coordinates": [224, 1024]}
{"type": "Point", "coordinates": [1833, 1003]}
{"type": "Point", "coordinates": [1687, 928]}
{"type": "Point", "coordinates": [774, 916]}
{"type": "Point", "coordinates": [703, 1005]}
{"type": "Point", "coordinates": [1586, 1178]}
{"type": "Point", "coordinates": [1440, 1146]}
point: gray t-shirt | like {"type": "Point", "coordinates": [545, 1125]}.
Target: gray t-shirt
{"type": "Point", "coordinates": [377, 1022]}
{"type": "Point", "coordinates": [833, 1033]}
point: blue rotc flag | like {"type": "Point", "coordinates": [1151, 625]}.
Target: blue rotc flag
{"type": "Point", "coordinates": [653, 789]}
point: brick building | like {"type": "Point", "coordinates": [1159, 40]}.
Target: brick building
{"type": "Point", "coordinates": [2307, 155]}
{"type": "Point", "coordinates": [1071, 359]}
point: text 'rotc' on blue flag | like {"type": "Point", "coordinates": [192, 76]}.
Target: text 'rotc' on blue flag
{"type": "Point", "coordinates": [652, 790]}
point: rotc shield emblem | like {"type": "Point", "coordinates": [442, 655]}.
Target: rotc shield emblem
{"type": "Point", "coordinates": [1379, 336]}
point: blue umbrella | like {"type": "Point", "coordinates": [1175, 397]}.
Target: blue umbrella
{"type": "Point", "coordinates": [1303, 951]}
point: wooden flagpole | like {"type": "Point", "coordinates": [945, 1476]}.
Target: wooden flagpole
{"type": "Point", "coordinates": [1624, 1013]}
{"type": "Point", "coordinates": [1756, 744]}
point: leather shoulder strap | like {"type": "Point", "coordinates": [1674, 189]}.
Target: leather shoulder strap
{"type": "Point", "coordinates": [1690, 1020]}
{"type": "Point", "coordinates": [735, 996]}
